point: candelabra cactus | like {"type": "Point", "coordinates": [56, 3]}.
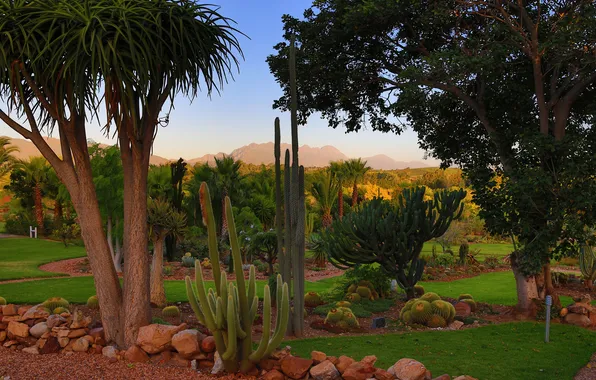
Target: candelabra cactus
{"type": "Point", "coordinates": [229, 309]}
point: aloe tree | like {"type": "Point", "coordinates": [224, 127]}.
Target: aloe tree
{"type": "Point", "coordinates": [37, 173]}
{"type": "Point", "coordinates": [59, 59]}
{"type": "Point", "coordinates": [163, 220]}
{"type": "Point", "coordinates": [356, 169]}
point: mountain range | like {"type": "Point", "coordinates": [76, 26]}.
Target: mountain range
{"type": "Point", "coordinates": [252, 154]}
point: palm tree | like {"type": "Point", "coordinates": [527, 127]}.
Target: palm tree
{"type": "Point", "coordinates": [159, 182]}
{"type": "Point", "coordinates": [37, 173]}
{"type": "Point", "coordinates": [163, 220]}
{"type": "Point", "coordinates": [7, 160]}
{"type": "Point", "coordinates": [227, 177]}
{"type": "Point", "coordinates": [324, 189]}
{"type": "Point", "coordinates": [339, 169]}
{"type": "Point", "coordinates": [356, 169]}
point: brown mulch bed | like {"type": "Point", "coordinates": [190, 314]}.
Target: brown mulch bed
{"type": "Point", "coordinates": [459, 273]}
{"type": "Point", "coordinates": [588, 372]}
{"type": "Point", "coordinates": [18, 365]}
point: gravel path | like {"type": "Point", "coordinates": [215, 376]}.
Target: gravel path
{"type": "Point", "coordinates": [18, 365]}
{"type": "Point", "coordinates": [588, 372]}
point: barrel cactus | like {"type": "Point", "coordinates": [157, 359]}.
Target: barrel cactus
{"type": "Point", "coordinates": [430, 297]}
{"type": "Point", "coordinates": [54, 302]}
{"type": "Point", "coordinates": [364, 292]}
{"type": "Point", "coordinates": [354, 297]}
{"type": "Point", "coordinates": [187, 260]}
{"type": "Point", "coordinates": [93, 302]}
{"type": "Point", "coordinates": [470, 302]}
{"type": "Point", "coordinates": [418, 290]}
{"type": "Point", "coordinates": [229, 309]}
{"type": "Point", "coordinates": [436, 313]}
{"type": "Point", "coordinates": [436, 321]}
{"type": "Point", "coordinates": [2, 301]}
{"type": "Point", "coordinates": [312, 299]}
{"type": "Point", "coordinates": [465, 296]}
{"type": "Point", "coordinates": [343, 304]}
{"type": "Point", "coordinates": [60, 310]}
{"type": "Point", "coordinates": [441, 308]}
{"type": "Point", "coordinates": [171, 312]}
{"type": "Point", "coordinates": [421, 311]}
{"type": "Point", "coordinates": [342, 317]}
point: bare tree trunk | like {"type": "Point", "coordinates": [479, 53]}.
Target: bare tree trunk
{"type": "Point", "coordinates": [526, 289]}
{"type": "Point", "coordinates": [327, 219]}
{"type": "Point", "coordinates": [158, 293]}
{"type": "Point", "coordinates": [57, 213]}
{"type": "Point", "coordinates": [109, 235]}
{"type": "Point", "coordinates": [38, 208]}
{"type": "Point", "coordinates": [117, 258]}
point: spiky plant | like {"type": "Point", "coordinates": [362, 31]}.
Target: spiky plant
{"type": "Point", "coordinates": [465, 296]}
{"type": "Point", "coordinates": [364, 292]}
{"type": "Point", "coordinates": [60, 310]}
{"type": "Point", "coordinates": [343, 304]}
{"type": "Point", "coordinates": [451, 313]}
{"type": "Point", "coordinates": [441, 308]}
{"type": "Point", "coordinates": [406, 317]}
{"type": "Point", "coordinates": [54, 302]}
{"type": "Point", "coordinates": [430, 297]}
{"type": "Point", "coordinates": [470, 302]}
{"type": "Point", "coordinates": [333, 316]}
{"type": "Point", "coordinates": [171, 312]}
{"type": "Point", "coordinates": [418, 290]}
{"type": "Point", "coordinates": [229, 310]}
{"type": "Point", "coordinates": [421, 311]}
{"type": "Point", "coordinates": [2, 301]}
{"type": "Point", "coordinates": [352, 288]}
{"type": "Point", "coordinates": [93, 302]}
{"type": "Point", "coordinates": [187, 260]}
{"type": "Point", "coordinates": [354, 297]}
{"type": "Point", "coordinates": [312, 299]}
{"type": "Point", "coordinates": [436, 321]}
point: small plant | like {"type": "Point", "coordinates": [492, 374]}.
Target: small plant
{"type": "Point", "coordinates": [168, 270]}
{"type": "Point", "coordinates": [171, 312]}
{"type": "Point", "coordinates": [159, 321]}
{"type": "Point", "coordinates": [418, 290]}
{"type": "Point", "coordinates": [60, 310]}
{"type": "Point", "coordinates": [2, 301]}
{"type": "Point", "coordinates": [93, 302]}
{"type": "Point", "coordinates": [470, 302]}
{"type": "Point", "coordinates": [312, 299]}
{"type": "Point", "coordinates": [260, 266]}
{"type": "Point", "coordinates": [188, 261]}
{"type": "Point", "coordinates": [464, 249]}
{"type": "Point", "coordinates": [491, 262]}
{"type": "Point", "coordinates": [430, 297]}
{"type": "Point", "coordinates": [315, 245]}
{"type": "Point", "coordinates": [342, 317]}
{"type": "Point", "coordinates": [55, 302]}
{"type": "Point", "coordinates": [343, 304]}
{"type": "Point", "coordinates": [465, 296]}
{"type": "Point", "coordinates": [206, 263]}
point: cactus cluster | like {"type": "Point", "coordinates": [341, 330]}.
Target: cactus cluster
{"type": "Point", "coordinates": [467, 298]}
{"type": "Point", "coordinates": [2, 301]}
{"type": "Point", "coordinates": [312, 299]}
{"type": "Point", "coordinates": [170, 312]}
{"type": "Point", "coordinates": [418, 290]}
{"type": "Point", "coordinates": [93, 302]}
{"type": "Point", "coordinates": [55, 302]}
{"type": "Point", "coordinates": [363, 290]}
{"type": "Point", "coordinates": [60, 310]}
{"type": "Point", "coordinates": [429, 311]}
{"type": "Point", "coordinates": [342, 317]}
{"type": "Point", "coordinates": [187, 260]}
{"type": "Point", "coordinates": [229, 309]}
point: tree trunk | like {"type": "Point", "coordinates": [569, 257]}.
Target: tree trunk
{"type": "Point", "coordinates": [327, 219]}
{"type": "Point", "coordinates": [158, 293]}
{"type": "Point", "coordinates": [109, 235]}
{"type": "Point", "coordinates": [526, 289]}
{"type": "Point", "coordinates": [340, 203]}
{"type": "Point", "coordinates": [117, 258]}
{"type": "Point", "coordinates": [410, 293]}
{"type": "Point", "coordinates": [58, 213]}
{"type": "Point", "coordinates": [38, 209]}
{"type": "Point", "coordinates": [355, 194]}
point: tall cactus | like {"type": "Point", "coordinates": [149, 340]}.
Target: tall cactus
{"type": "Point", "coordinates": [292, 256]}
{"type": "Point", "coordinates": [228, 310]}
{"type": "Point", "coordinates": [587, 264]}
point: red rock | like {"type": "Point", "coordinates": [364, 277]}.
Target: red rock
{"type": "Point", "coordinates": [325, 371]}
{"type": "Point", "coordinates": [187, 343]}
{"type": "Point", "coordinates": [89, 338]}
{"type": "Point", "coordinates": [63, 341]}
{"type": "Point", "coordinates": [269, 364]}
{"type": "Point", "coordinates": [383, 375]}
{"type": "Point", "coordinates": [273, 375]}
{"type": "Point", "coordinates": [23, 309]}
{"type": "Point", "coordinates": [206, 364]}
{"type": "Point", "coordinates": [578, 309]}
{"type": "Point", "coordinates": [343, 362]}
{"type": "Point", "coordinates": [51, 346]}
{"type": "Point", "coordinates": [31, 350]}
{"type": "Point", "coordinates": [409, 369]}
{"type": "Point", "coordinates": [9, 310]}
{"type": "Point", "coordinates": [156, 338]}
{"type": "Point", "coordinates": [3, 326]}
{"type": "Point", "coordinates": [369, 360]}
{"type": "Point", "coordinates": [98, 335]}
{"type": "Point", "coordinates": [29, 322]}
{"type": "Point", "coordinates": [55, 320]}
{"type": "Point", "coordinates": [76, 333]}
{"type": "Point", "coordinates": [462, 310]}
{"type": "Point", "coordinates": [80, 345]}
{"type": "Point", "coordinates": [97, 349]}
{"type": "Point", "coordinates": [318, 356]}
{"type": "Point", "coordinates": [10, 343]}
{"type": "Point", "coordinates": [2, 336]}
{"type": "Point", "coordinates": [208, 344]}
{"type": "Point", "coordinates": [161, 358]}
{"type": "Point", "coordinates": [576, 319]}
{"type": "Point", "coordinates": [178, 361]}
{"type": "Point", "coordinates": [11, 318]}
{"type": "Point", "coordinates": [35, 312]}
{"type": "Point", "coordinates": [443, 377]}
{"type": "Point", "coordinates": [295, 367]}
{"type": "Point", "coordinates": [358, 371]}
{"type": "Point", "coordinates": [332, 359]}
{"type": "Point", "coordinates": [136, 355]}
{"type": "Point", "coordinates": [17, 330]}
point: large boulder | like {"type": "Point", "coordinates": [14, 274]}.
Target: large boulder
{"type": "Point", "coordinates": [39, 329]}
{"type": "Point", "coordinates": [110, 352]}
{"type": "Point", "coordinates": [55, 320]}
{"type": "Point", "coordinates": [343, 362]}
{"type": "Point", "coordinates": [409, 369]}
{"type": "Point", "coordinates": [17, 330]}
{"type": "Point", "coordinates": [359, 371]}
{"type": "Point", "coordinates": [576, 319]}
{"type": "Point", "coordinates": [80, 345]}
{"type": "Point", "coordinates": [10, 310]}
{"type": "Point", "coordinates": [208, 344]}
{"type": "Point", "coordinates": [325, 371]}
{"type": "Point", "coordinates": [50, 346]}
{"type": "Point", "coordinates": [187, 343]}
{"type": "Point", "coordinates": [295, 367]}
{"type": "Point", "coordinates": [35, 312]}
{"type": "Point", "coordinates": [156, 338]}
{"type": "Point", "coordinates": [135, 355]}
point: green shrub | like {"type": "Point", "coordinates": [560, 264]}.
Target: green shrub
{"type": "Point", "coordinates": [260, 266]}
{"type": "Point", "coordinates": [491, 262]}
{"type": "Point", "coordinates": [363, 309]}
{"type": "Point", "coordinates": [168, 270]}
{"type": "Point", "coordinates": [378, 279]}
{"type": "Point", "coordinates": [159, 321]}
{"type": "Point", "coordinates": [464, 249]}
{"type": "Point", "coordinates": [93, 302]}
{"type": "Point", "coordinates": [170, 312]}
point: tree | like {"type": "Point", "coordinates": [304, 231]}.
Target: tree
{"type": "Point", "coordinates": [163, 220]}
{"type": "Point", "coordinates": [356, 169]}
{"type": "Point", "coordinates": [392, 234]}
{"type": "Point", "coordinates": [263, 244]}
{"type": "Point", "coordinates": [177, 172]}
{"type": "Point", "coordinates": [159, 182]}
{"type": "Point", "coordinates": [340, 171]}
{"type": "Point", "coordinates": [134, 60]}
{"type": "Point", "coordinates": [492, 86]}
{"type": "Point", "coordinates": [199, 173]}
{"type": "Point", "coordinates": [37, 173]}
{"type": "Point", "coordinates": [324, 190]}
{"type": "Point", "coordinates": [7, 160]}
{"type": "Point", "coordinates": [227, 176]}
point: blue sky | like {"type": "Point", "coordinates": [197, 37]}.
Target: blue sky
{"type": "Point", "coordinates": [243, 114]}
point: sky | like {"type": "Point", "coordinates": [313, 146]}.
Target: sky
{"type": "Point", "coordinates": [243, 113]}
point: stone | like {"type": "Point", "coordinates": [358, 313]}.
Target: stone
{"type": "Point", "coordinates": [358, 371]}
{"type": "Point", "coordinates": [79, 322]}
{"type": "Point", "coordinates": [10, 310]}
{"type": "Point", "coordinates": [273, 375]}
{"type": "Point", "coordinates": [381, 374]}
{"type": "Point", "coordinates": [89, 338]}
{"type": "Point", "coordinates": [109, 352]}
{"type": "Point", "coordinates": [36, 312]}
{"type": "Point", "coordinates": [63, 333]}
{"type": "Point", "coordinates": [318, 356]}
{"type": "Point", "coordinates": [39, 329]}
{"type": "Point", "coordinates": [99, 335]}
{"type": "Point", "coordinates": [10, 318]}
{"type": "Point", "coordinates": [208, 344]}
{"type": "Point", "coordinates": [378, 323]}
{"type": "Point", "coordinates": [2, 336]}
{"type": "Point", "coordinates": [369, 360]}
{"type": "Point", "coordinates": [295, 367]}
{"type": "Point", "coordinates": [578, 309]}
{"type": "Point", "coordinates": [206, 364]}
{"type": "Point", "coordinates": [33, 350]}
{"type": "Point", "coordinates": [55, 320]}
{"type": "Point", "coordinates": [573, 319]}
{"type": "Point", "coordinates": [17, 330]}
{"type": "Point", "coordinates": [409, 369]}
{"type": "Point", "coordinates": [23, 309]}
{"type": "Point", "coordinates": [63, 341]}
{"type": "Point", "coordinates": [97, 349]}
{"type": "Point", "coordinates": [332, 359]}
{"type": "Point", "coordinates": [135, 355]}
{"type": "Point", "coordinates": [155, 338]}
{"type": "Point", "coordinates": [80, 345]}
{"type": "Point", "coordinates": [443, 377]}
{"type": "Point", "coordinates": [343, 362]}
{"type": "Point", "coordinates": [269, 364]}
{"type": "Point", "coordinates": [176, 360]}
{"type": "Point", "coordinates": [3, 326]}
{"type": "Point", "coordinates": [161, 358]}
{"type": "Point", "coordinates": [187, 343]}
{"type": "Point", "coordinates": [462, 310]}
{"type": "Point", "coordinates": [218, 365]}
{"type": "Point", "coordinates": [76, 333]}
{"type": "Point", "coordinates": [10, 343]}
{"type": "Point", "coordinates": [455, 325]}
{"type": "Point", "coordinates": [325, 371]}
{"type": "Point", "coordinates": [51, 346]}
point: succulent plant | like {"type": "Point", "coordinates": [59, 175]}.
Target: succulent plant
{"type": "Point", "coordinates": [354, 297]}
{"type": "Point", "coordinates": [2, 301]}
{"type": "Point", "coordinates": [206, 263]}
{"type": "Point", "coordinates": [436, 321]}
{"type": "Point", "coordinates": [421, 311]}
{"type": "Point", "coordinates": [312, 299]}
{"type": "Point", "coordinates": [60, 310]}
{"type": "Point", "coordinates": [470, 302]}
{"type": "Point", "coordinates": [54, 302]}
{"type": "Point", "coordinates": [334, 316]}
{"type": "Point", "coordinates": [406, 317]}
{"type": "Point", "coordinates": [342, 317]}
{"type": "Point", "coordinates": [441, 308]}
{"type": "Point", "coordinates": [352, 288]}
{"type": "Point", "coordinates": [187, 260]}
{"type": "Point", "coordinates": [364, 292]}
{"type": "Point", "coordinates": [343, 304]}
{"type": "Point", "coordinates": [418, 290]}
{"type": "Point", "coordinates": [465, 296]}
{"type": "Point", "coordinates": [430, 297]}
{"type": "Point", "coordinates": [170, 312]}
{"type": "Point", "coordinates": [93, 302]}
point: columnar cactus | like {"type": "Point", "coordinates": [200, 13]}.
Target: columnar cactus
{"type": "Point", "coordinates": [229, 309]}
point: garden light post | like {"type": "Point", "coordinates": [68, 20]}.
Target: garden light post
{"type": "Point", "coordinates": [549, 302]}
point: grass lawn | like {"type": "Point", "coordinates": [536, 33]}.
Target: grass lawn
{"type": "Point", "coordinates": [19, 258]}
{"type": "Point", "coordinates": [506, 351]}
{"type": "Point", "coordinates": [497, 249]}
{"type": "Point", "coordinates": [78, 289]}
